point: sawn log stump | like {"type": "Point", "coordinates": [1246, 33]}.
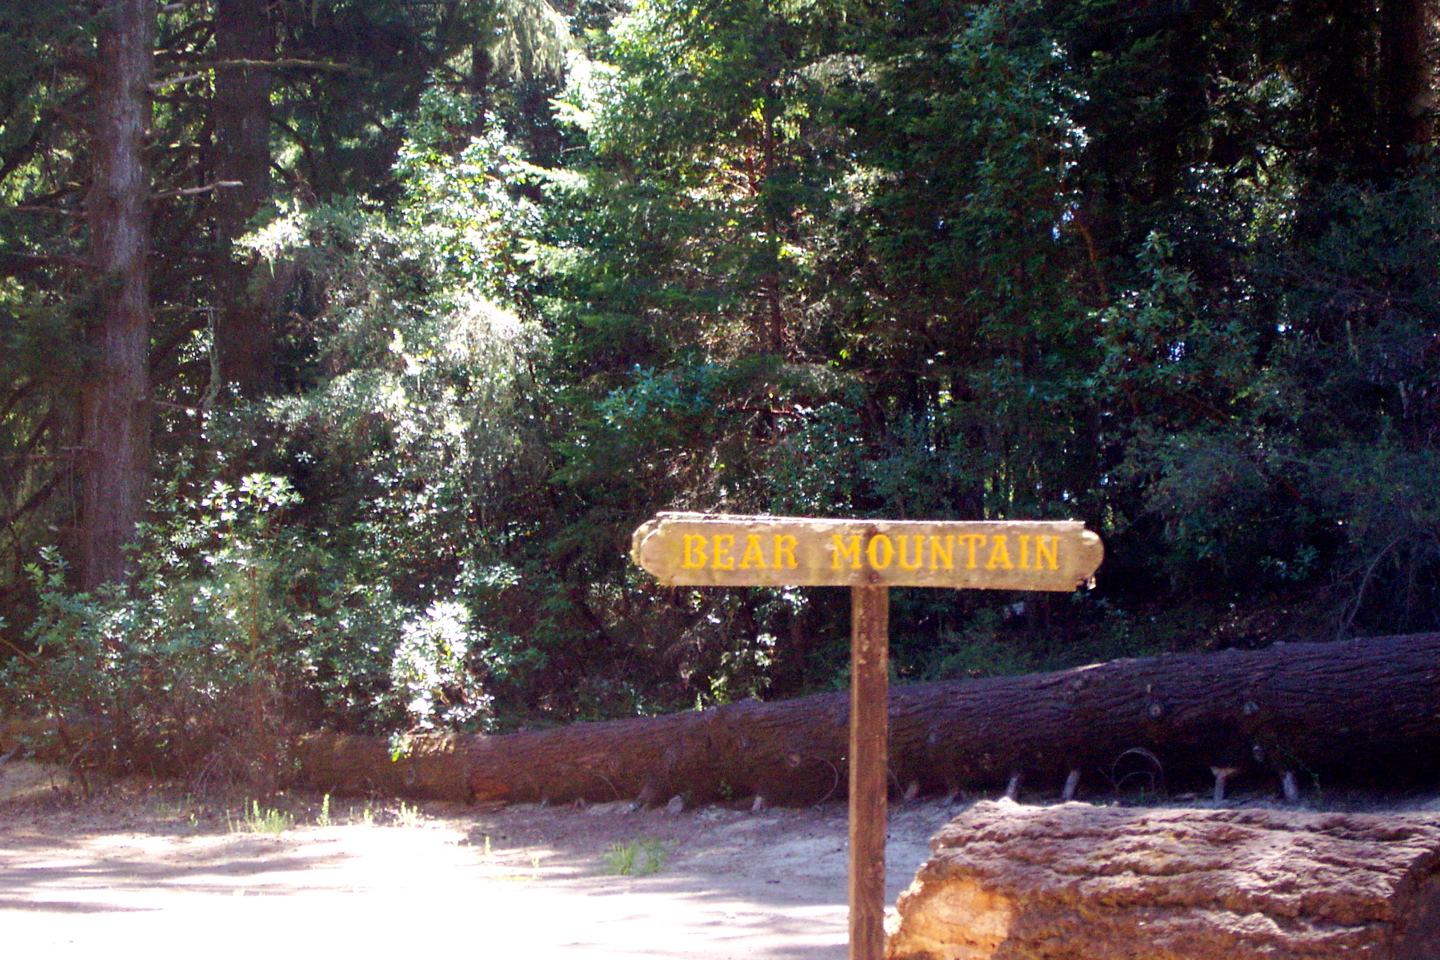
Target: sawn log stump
{"type": "Point", "coordinates": [1080, 882]}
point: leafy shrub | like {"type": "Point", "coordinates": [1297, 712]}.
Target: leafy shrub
{"type": "Point", "coordinates": [188, 671]}
{"type": "Point", "coordinates": [240, 628]}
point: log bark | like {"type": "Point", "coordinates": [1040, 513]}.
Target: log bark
{"type": "Point", "coordinates": [1077, 882]}
{"type": "Point", "coordinates": [1322, 713]}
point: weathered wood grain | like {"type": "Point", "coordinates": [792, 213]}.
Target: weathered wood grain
{"type": "Point", "coordinates": [1079, 882]}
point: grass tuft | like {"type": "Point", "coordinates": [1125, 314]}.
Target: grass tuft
{"type": "Point", "coordinates": [258, 819]}
{"type": "Point", "coordinates": [638, 858]}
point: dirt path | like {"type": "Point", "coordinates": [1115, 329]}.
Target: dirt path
{"type": "Point", "coordinates": [168, 874]}
{"type": "Point", "coordinates": [146, 867]}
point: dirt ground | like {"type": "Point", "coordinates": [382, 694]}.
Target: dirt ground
{"type": "Point", "coordinates": [148, 866]}
{"type": "Point", "coordinates": [154, 867]}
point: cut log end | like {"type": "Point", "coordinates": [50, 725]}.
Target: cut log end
{"type": "Point", "coordinates": [1420, 938]}
{"type": "Point", "coordinates": [960, 921]}
{"type": "Point", "coordinates": [1013, 881]}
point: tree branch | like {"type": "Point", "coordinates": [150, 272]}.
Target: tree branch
{"type": "Point", "coordinates": [13, 263]}
{"type": "Point", "coordinates": [175, 81]}
{"type": "Point", "coordinates": [51, 211]}
{"type": "Point", "coordinates": [34, 501]}
{"type": "Point", "coordinates": [285, 64]}
{"type": "Point", "coordinates": [194, 191]}
{"type": "Point", "coordinates": [17, 395]}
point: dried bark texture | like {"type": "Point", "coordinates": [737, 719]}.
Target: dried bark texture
{"type": "Point", "coordinates": [1077, 882]}
{"type": "Point", "coordinates": [1334, 712]}
{"type": "Point", "coordinates": [114, 419]}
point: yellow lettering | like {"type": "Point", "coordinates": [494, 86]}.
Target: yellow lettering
{"type": "Point", "coordinates": [999, 554]}
{"type": "Point", "coordinates": [971, 540]}
{"type": "Point", "coordinates": [695, 555]}
{"type": "Point", "coordinates": [1024, 552]}
{"type": "Point", "coordinates": [878, 540]}
{"type": "Point", "coordinates": [753, 558]}
{"type": "Point", "coordinates": [919, 553]}
{"type": "Point", "coordinates": [1052, 554]}
{"type": "Point", "coordinates": [724, 543]}
{"type": "Point", "coordinates": [839, 550]}
{"type": "Point", "coordinates": [942, 553]}
{"type": "Point", "coordinates": [784, 552]}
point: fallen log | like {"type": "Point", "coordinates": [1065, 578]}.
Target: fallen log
{"type": "Point", "coordinates": [1077, 882]}
{"type": "Point", "coordinates": [1314, 713]}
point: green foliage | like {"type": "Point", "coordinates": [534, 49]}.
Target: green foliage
{"type": "Point", "coordinates": [981, 651]}
{"type": "Point", "coordinates": [408, 435]}
{"type": "Point", "coordinates": [1282, 437]}
{"type": "Point", "coordinates": [431, 668]}
{"type": "Point", "coordinates": [674, 277]}
{"type": "Point", "coordinates": [1168, 269]}
{"type": "Point", "coordinates": [258, 819]}
{"type": "Point", "coordinates": [241, 626]}
{"type": "Point", "coordinates": [637, 858]}
{"type": "Point", "coordinates": [191, 673]}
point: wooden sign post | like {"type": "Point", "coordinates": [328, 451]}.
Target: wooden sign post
{"type": "Point", "coordinates": [869, 556]}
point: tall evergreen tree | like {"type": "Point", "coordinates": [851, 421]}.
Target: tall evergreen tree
{"type": "Point", "coordinates": [245, 339]}
{"type": "Point", "coordinates": [115, 415]}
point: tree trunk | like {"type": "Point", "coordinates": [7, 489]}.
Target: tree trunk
{"type": "Point", "coordinates": [114, 419]}
{"type": "Point", "coordinates": [482, 69]}
{"type": "Point", "coordinates": [1407, 76]}
{"type": "Point", "coordinates": [1076, 882]}
{"type": "Point", "coordinates": [1298, 713]}
{"type": "Point", "coordinates": [244, 339]}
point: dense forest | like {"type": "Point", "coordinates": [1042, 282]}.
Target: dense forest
{"type": "Point", "coordinates": [346, 342]}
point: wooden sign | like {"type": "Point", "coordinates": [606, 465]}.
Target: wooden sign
{"type": "Point", "coordinates": [869, 556]}
{"type": "Point", "coordinates": [716, 550]}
